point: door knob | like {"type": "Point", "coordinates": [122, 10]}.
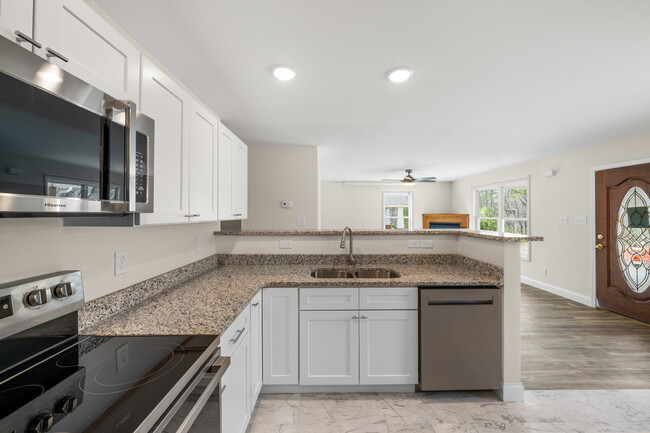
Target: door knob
{"type": "Point", "coordinates": [599, 236]}
{"type": "Point", "coordinates": [599, 246]}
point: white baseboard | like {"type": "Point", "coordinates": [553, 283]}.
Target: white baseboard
{"type": "Point", "coordinates": [586, 300]}
{"type": "Point", "coordinates": [511, 391]}
{"type": "Point", "coordinates": [298, 389]}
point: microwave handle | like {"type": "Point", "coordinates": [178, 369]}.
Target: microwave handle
{"type": "Point", "coordinates": [129, 122]}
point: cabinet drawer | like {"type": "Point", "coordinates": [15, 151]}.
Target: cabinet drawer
{"type": "Point", "coordinates": [335, 298]}
{"type": "Point", "coordinates": [233, 336]}
{"type": "Point", "coordinates": [388, 298]}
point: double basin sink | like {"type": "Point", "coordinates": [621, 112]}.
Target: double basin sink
{"type": "Point", "coordinates": [354, 273]}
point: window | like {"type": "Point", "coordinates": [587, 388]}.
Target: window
{"type": "Point", "coordinates": [504, 208]}
{"type": "Point", "coordinates": [397, 210]}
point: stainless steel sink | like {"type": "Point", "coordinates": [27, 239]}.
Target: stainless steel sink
{"type": "Point", "coordinates": [331, 273]}
{"type": "Point", "coordinates": [375, 273]}
{"type": "Point", "coordinates": [354, 273]}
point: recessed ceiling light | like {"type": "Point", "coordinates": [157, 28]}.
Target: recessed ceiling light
{"type": "Point", "coordinates": [284, 73]}
{"type": "Point", "coordinates": [400, 74]}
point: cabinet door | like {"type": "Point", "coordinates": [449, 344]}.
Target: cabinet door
{"type": "Point", "coordinates": [226, 141]}
{"type": "Point", "coordinates": [388, 347]}
{"type": "Point", "coordinates": [204, 133]}
{"type": "Point", "coordinates": [329, 348]}
{"type": "Point", "coordinates": [16, 15]}
{"type": "Point", "coordinates": [96, 52]}
{"type": "Point", "coordinates": [280, 336]}
{"type": "Point", "coordinates": [234, 400]}
{"type": "Point", "coordinates": [164, 101]}
{"type": "Point", "coordinates": [256, 348]}
{"type": "Point", "coordinates": [240, 179]}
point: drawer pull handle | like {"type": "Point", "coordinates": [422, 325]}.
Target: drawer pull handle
{"type": "Point", "coordinates": [469, 302]}
{"type": "Point", "coordinates": [355, 317]}
{"type": "Point", "coordinates": [193, 215]}
{"type": "Point", "coordinates": [363, 317]}
{"type": "Point", "coordinates": [255, 304]}
{"type": "Point", "coordinates": [223, 388]}
{"type": "Point", "coordinates": [49, 52]}
{"type": "Point", "coordinates": [239, 333]}
{"type": "Point", "coordinates": [22, 37]}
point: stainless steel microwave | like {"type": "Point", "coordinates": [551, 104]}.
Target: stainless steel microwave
{"type": "Point", "coordinates": [66, 147]}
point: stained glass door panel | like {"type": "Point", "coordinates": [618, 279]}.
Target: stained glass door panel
{"type": "Point", "coordinates": [633, 239]}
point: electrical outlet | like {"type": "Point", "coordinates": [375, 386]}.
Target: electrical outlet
{"type": "Point", "coordinates": [564, 220]}
{"type": "Point", "coordinates": [285, 245]}
{"type": "Point", "coordinates": [197, 244]}
{"type": "Point", "coordinates": [300, 221]}
{"type": "Point", "coordinates": [414, 243]}
{"type": "Point", "coordinates": [121, 259]}
{"type": "Point", "coordinates": [122, 357]}
{"type": "Point", "coordinates": [580, 220]}
{"type": "Point", "coordinates": [426, 243]}
{"type": "Point", "coordinates": [544, 271]}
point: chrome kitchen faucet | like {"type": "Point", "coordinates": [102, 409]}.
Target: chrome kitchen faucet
{"type": "Point", "coordinates": [351, 260]}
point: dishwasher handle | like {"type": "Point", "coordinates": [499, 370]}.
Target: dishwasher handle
{"type": "Point", "coordinates": [462, 302]}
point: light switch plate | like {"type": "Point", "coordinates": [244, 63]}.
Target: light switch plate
{"type": "Point", "coordinates": [300, 221]}
{"type": "Point", "coordinates": [580, 220]}
{"type": "Point", "coordinates": [426, 243]}
{"type": "Point", "coordinates": [564, 220]}
{"type": "Point", "coordinates": [197, 244]}
{"type": "Point", "coordinates": [285, 245]}
{"type": "Point", "coordinates": [414, 243]}
{"type": "Point", "coordinates": [544, 271]}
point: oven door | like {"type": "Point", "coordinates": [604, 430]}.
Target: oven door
{"type": "Point", "coordinates": [199, 404]}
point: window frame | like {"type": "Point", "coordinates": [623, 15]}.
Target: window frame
{"type": "Point", "coordinates": [410, 208]}
{"type": "Point", "coordinates": [501, 218]}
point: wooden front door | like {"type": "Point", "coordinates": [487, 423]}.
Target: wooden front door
{"type": "Point", "coordinates": [623, 241]}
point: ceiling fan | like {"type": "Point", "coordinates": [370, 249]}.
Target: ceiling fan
{"type": "Point", "coordinates": [410, 179]}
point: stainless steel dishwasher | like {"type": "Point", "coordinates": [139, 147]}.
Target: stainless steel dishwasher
{"type": "Point", "coordinates": [460, 338]}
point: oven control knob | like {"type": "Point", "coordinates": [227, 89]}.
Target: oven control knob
{"type": "Point", "coordinates": [37, 297]}
{"type": "Point", "coordinates": [67, 404]}
{"type": "Point", "coordinates": [62, 290]}
{"type": "Point", "coordinates": [42, 423]}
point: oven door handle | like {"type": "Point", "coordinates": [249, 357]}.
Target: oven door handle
{"type": "Point", "coordinates": [219, 367]}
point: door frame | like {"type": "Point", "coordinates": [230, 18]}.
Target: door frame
{"type": "Point", "coordinates": [592, 218]}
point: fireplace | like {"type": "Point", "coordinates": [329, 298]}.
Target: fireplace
{"type": "Point", "coordinates": [445, 221]}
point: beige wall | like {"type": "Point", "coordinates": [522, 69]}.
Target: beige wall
{"type": "Point", "coordinates": [277, 173]}
{"type": "Point", "coordinates": [567, 249]}
{"type": "Point", "coordinates": [359, 206]}
{"type": "Point", "coordinates": [34, 246]}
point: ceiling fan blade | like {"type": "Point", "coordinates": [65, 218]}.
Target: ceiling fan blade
{"type": "Point", "coordinates": [391, 180]}
{"type": "Point", "coordinates": [426, 179]}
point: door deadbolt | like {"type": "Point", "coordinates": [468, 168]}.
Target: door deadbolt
{"type": "Point", "coordinates": [599, 236]}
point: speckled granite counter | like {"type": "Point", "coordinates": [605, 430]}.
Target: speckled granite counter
{"type": "Point", "coordinates": [208, 303]}
{"type": "Point", "coordinates": [505, 237]}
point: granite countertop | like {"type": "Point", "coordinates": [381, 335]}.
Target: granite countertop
{"type": "Point", "coordinates": [505, 237]}
{"type": "Point", "coordinates": [210, 302]}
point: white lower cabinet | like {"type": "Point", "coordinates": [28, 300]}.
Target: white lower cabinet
{"type": "Point", "coordinates": [343, 345]}
{"type": "Point", "coordinates": [388, 347]}
{"type": "Point", "coordinates": [235, 404]}
{"type": "Point", "coordinates": [280, 336]}
{"type": "Point", "coordinates": [256, 349]}
{"type": "Point", "coordinates": [329, 348]}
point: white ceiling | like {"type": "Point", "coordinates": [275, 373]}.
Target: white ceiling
{"type": "Point", "coordinates": [496, 82]}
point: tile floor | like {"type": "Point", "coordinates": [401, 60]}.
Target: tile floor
{"type": "Point", "coordinates": [584, 411]}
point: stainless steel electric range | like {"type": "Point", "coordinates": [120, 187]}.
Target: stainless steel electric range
{"type": "Point", "coordinates": [54, 380]}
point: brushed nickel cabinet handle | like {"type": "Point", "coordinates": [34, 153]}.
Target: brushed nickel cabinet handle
{"type": "Point", "coordinates": [49, 52]}
{"type": "Point", "coordinates": [22, 37]}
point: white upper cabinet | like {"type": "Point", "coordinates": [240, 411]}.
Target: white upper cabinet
{"type": "Point", "coordinates": [17, 16]}
{"type": "Point", "coordinates": [95, 51]}
{"type": "Point", "coordinates": [169, 105]}
{"type": "Point", "coordinates": [233, 176]}
{"type": "Point", "coordinates": [204, 136]}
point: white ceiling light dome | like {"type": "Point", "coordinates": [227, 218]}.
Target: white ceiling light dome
{"type": "Point", "coordinates": [284, 72]}
{"type": "Point", "coordinates": [400, 74]}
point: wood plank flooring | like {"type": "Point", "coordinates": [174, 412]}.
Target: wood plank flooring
{"type": "Point", "coordinates": [567, 345]}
